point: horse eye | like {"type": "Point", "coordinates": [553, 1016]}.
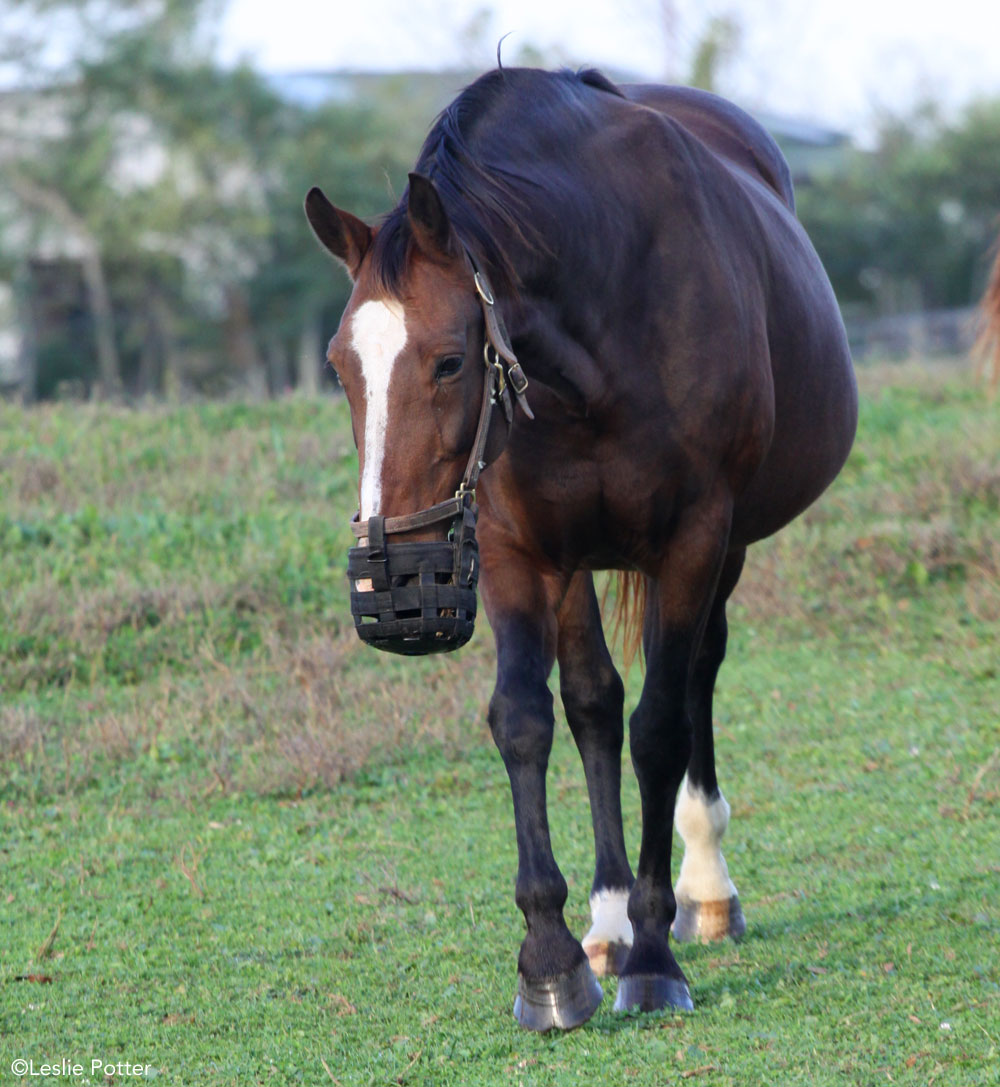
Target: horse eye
{"type": "Point", "coordinates": [448, 366]}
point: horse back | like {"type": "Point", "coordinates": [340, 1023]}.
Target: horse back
{"type": "Point", "coordinates": [726, 130]}
{"type": "Point", "coordinates": [813, 390]}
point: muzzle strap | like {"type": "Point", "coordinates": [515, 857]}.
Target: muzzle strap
{"type": "Point", "coordinates": [378, 556]}
{"type": "Point", "coordinates": [466, 549]}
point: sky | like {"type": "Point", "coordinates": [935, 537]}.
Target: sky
{"type": "Point", "coordinates": [833, 61]}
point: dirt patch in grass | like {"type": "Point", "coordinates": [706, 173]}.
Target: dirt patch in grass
{"type": "Point", "coordinates": [298, 713]}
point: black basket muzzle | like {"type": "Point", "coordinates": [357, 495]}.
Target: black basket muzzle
{"type": "Point", "coordinates": [422, 595]}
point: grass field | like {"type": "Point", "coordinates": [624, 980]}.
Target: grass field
{"type": "Point", "coordinates": [238, 847]}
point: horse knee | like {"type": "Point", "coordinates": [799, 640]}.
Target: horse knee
{"type": "Point", "coordinates": [594, 701]}
{"type": "Point", "coordinates": [522, 727]}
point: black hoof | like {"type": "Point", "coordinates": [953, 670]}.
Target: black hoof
{"type": "Point", "coordinates": [564, 1002]}
{"type": "Point", "coordinates": [651, 993]}
{"type": "Point", "coordinates": [708, 921]}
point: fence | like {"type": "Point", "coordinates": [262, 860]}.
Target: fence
{"type": "Point", "coordinates": [933, 333]}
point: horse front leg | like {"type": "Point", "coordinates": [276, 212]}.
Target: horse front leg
{"type": "Point", "coordinates": [555, 984]}
{"type": "Point", "coordinates": [593, 696]}
{"type": "Point", "coordinates": [660, 734]}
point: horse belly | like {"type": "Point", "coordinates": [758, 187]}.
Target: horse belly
{"type": "Point", "coordinates": [815, 418]}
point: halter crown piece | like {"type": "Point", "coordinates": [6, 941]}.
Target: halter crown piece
{"type": "Point", "coordinates": [423, 594]}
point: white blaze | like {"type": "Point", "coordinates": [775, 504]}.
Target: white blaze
{"type": "Point", "coordinates": [378, 334]}
{"type": "Point", "coordinates": [701, 823]}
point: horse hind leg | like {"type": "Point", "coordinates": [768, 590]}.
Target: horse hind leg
{"type": "Point", "coordinates": [660, 736]}
{"type": "Point", "coordinates": [593, 697]}
{"type": "Point", "coordinates": [708, 906]}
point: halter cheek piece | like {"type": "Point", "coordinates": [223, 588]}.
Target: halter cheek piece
{"type": "Point", "coordinates": [423, 594]}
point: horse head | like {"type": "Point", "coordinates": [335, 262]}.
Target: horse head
{"type": "Point", "coordinates": [411, 360]}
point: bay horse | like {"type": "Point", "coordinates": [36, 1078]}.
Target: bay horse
{"type": "Point", "coordinates": [666, 381]}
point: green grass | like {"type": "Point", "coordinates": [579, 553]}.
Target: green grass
{"type": "Point", "coordinates": [246, 849]}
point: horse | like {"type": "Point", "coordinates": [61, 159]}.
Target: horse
{"type": "Point", "coordinates": [599, 297]}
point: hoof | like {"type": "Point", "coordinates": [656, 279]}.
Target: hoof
{"type": "Point", "coordinates": [708, 921]}
{"type": "Point", "coordinates": [651, 993]}
{"type": "Point", "coordinates": [564, 1002]}
{"type": "Point", "coordinates": [607, 960]}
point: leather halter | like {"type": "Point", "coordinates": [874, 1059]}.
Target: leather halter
{"type": "Point", "coordinates": [503, 374]}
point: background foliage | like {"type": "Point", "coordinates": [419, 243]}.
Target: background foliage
{"type": "Point", "coordinates": [152, 236]}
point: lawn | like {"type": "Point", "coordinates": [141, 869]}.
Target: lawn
{"type": "Point", "coordinates": [240, 847]}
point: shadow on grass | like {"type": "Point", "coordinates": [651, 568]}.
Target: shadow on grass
{"type": "Point", "coordinates": [951, 903]}
{"type": "Point", "coordinates": [716, 988]}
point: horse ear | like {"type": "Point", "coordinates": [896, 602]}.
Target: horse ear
{"type": "Point", "coordinates": [428, 220]}
{"type": "Point", "coordinates": [343, 234]}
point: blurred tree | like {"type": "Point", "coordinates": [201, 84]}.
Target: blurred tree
{"type": "Point", "coordinates": [177, 186]}
{"type": "Point", "coordinates": [80, 138]}
{"type": "Point", "coordinates": [717, 46]}
{"type": "Point", "coordinates": [45, 199]}
{"type": "Point", "coordinates": [172, 189]}
{"type": "Point", "coordinates": [359, 154]}
{"type": "Point", "coordinates": [908, 225]}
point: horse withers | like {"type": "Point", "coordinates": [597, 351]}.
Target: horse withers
{"type": "Point", "coordinates": [598, 297]}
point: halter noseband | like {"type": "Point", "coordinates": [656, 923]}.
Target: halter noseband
{"type": "Point", "coordinates": [423, 594]}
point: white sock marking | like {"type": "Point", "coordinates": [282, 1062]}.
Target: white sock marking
{"type": "Point", "coordinates": [609, 914]}
{"type": "Point", "coordinates": [704, 876]}
{"type": "Point", "coordinates": [378, 334]}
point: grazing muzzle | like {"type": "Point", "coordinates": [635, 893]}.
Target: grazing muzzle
{"type": "Point", "coordinates": [418, 597]}
{"type": "Point", "coordinates": [423, 594]}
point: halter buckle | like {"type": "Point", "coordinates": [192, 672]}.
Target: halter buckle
{"type": "Point", "coordinates": [518, 379]}
{"type": "Point", "coordinates": [482, 289]}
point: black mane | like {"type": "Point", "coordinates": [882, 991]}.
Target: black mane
{"type": "Point", "coordinates": [485, 179]}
